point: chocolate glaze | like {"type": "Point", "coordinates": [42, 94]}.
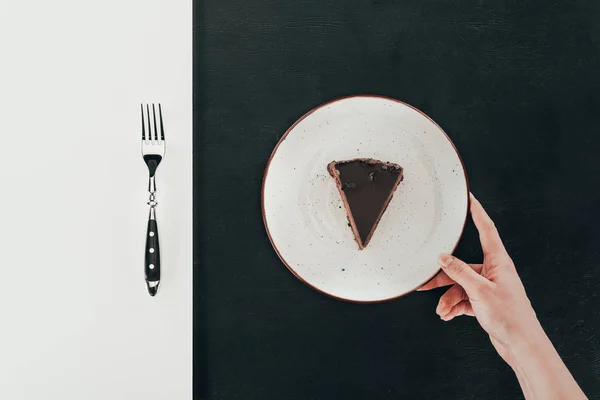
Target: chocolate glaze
{"type": "Point", "coordinates": [366, 186]}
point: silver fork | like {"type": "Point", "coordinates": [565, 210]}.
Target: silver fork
{"type": "Point", "coordinates": [153, 151]}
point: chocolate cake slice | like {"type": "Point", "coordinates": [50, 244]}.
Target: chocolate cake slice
{"type": "Point", "coordinates": [366, 186]}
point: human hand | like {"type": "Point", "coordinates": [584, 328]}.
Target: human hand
{"type": "Point", "coordinates": [492, 292]}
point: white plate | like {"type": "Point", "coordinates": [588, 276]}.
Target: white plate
{"type": "Point", "coordinates": [303, 211]}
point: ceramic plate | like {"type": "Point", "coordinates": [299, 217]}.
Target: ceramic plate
{"type": "Point", "coordinates": [306, 221]}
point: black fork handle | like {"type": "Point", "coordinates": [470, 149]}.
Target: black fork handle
{"type": "Point", "coordinates": [152, 259]}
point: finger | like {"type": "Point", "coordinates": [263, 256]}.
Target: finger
{"type": "Point", "coordinates": [462, 308]}
{"type": "Point", "coordinates": [463, 274]}
{"type": "Point", "coordinates": [442, 279]}
{"type": "Point", "coordinates": [452, 297]}
{"type": "Point", "coordinates": [488, 234]}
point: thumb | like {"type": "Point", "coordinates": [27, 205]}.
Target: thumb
{"type": "Point", "coordinates": [462, 273]}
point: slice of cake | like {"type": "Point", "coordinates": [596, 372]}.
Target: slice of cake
{"type": "Point", "coordinates": [366, 186]}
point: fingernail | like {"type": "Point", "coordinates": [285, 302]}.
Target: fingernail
{"type": "Point", "coordinates": [446, 316]}
{"type": "Point", "coordinates": [440, 307]}
{"type": "Point", "coordinates": [445, 260]}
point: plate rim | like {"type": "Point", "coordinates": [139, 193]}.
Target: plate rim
{"type": "Point", "coordinates": [282, 139]}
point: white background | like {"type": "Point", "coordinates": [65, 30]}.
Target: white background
{"type": "Point", "coordinates": [76, 321]}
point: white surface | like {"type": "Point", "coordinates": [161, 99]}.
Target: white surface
{"type": "Point", "coordinates": [308, 224]}
{"type": "Point", "coordinates": [76, 320]}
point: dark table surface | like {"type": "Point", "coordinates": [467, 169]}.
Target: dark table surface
{"type": "Point", "coordinates": [514, 84]}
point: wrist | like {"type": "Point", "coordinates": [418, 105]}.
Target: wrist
{"type": "Point", "coordinates": [530, 344]}
{"type": "Point", "coordinates": [538, 365]}
{"type": "Point", "coordinates": [526, 339]}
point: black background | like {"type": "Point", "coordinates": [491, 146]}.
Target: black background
{"type": "Point", "coordinates": [514, 84]}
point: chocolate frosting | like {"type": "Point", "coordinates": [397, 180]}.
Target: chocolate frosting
{"type": "Point", "coordinates": [366, 186]}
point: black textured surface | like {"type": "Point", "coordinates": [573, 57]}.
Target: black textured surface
{"type": "Point", "coordinates": [515, 85]}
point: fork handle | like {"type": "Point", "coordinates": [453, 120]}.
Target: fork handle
{"type": "Point", "coordinates": [152, 259]}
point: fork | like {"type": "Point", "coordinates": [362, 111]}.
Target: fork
{"type": "Point", "coordinates": [153, 151]}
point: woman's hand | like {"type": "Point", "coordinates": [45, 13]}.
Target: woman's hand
{"type": "Point", "coordinates": [492, 292]}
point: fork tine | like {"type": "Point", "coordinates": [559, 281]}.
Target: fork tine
{"type": "Point", "coordinates": [162, 126]}
{"type": "Point", "coordinates": [150, 135]}
{"type": "Point", "coordinates": [156, 137]}
{"type": "Point", "coordinates": [143, 123]}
